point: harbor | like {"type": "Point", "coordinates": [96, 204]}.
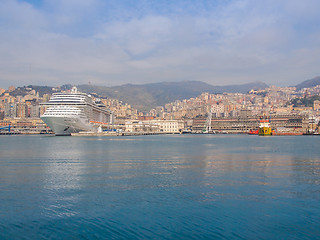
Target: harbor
{"type": "Point", "coordinates": [224, 126]}
{"type": "Point", "coordinates": [164, 120]}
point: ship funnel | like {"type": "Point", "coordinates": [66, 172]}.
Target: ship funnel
{"type": "Point", "coordinates": [74, 89]}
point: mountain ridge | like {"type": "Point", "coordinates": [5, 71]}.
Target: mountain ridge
{"type": "Point", "coordinates": [147, 96]}
{"type": "Point", "coordinates": [308, 83]}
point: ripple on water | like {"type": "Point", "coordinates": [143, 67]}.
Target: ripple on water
{"type": "Point", "coordinates": [159, 187]}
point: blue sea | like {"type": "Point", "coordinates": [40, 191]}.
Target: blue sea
{"type": "Point", "coordinates": [160, 187]}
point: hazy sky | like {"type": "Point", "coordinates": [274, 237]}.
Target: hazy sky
{"type": "Point", "coordinates": [113, 42]}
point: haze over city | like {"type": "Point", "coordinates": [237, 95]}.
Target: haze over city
{"type": "Point", "coordinates": [117, 42]}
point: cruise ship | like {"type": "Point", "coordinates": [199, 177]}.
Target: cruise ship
{"type": "Point", "coordinates": [74, 112]}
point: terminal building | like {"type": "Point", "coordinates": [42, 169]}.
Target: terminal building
{"type": "Point", "coordinates": [243, 124]}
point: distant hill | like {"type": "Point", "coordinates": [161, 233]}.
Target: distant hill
{"type": "Point", "coordinates": [22, 91]}
{"type": "Point", "coordinates": [147, 96]}
{"type": "Point", "coordinates": [309, 83]}
{"type": "Point", "coordinates": [304, 102]}
{"type": "Point", "coordinates": [41, 89]}
{"type": "Point", "coordinates": [243, 88]}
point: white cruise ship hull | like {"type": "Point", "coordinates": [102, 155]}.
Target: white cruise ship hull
{"type": "Point", "coordinates": [65, 125]}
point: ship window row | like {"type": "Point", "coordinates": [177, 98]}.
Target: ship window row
{"type": "Point", "coordinates": [66, 100]}
{"type": "Point", "coordinates": [63, 107]}
{"type": "Point", "coordinates": [67, 97]}
{"type": "Point", "coordinates": [60, 114]}
{"type": "Point", "coordinates": [66, 110]}
{"type": "Point", "coordinates": [57, 111]}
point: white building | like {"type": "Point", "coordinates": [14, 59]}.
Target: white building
{"type": "Point", "coordinates": [142, 126]}
{"type": "Point", "coordinates": [171, 126]}
{"type": "Point", "coordinates": [164, 126]}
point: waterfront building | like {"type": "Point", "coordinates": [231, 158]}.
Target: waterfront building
{"type": "Point", "coordinates": [290, 122]}
{"type": "Point", "coordinates": [154, 126]}
{"type": "Point", "coordinates": [171, 126]}
{"type": "Point", "coordinates": [147, 126]}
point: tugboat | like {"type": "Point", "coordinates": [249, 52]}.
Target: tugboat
{"type": "Point", "coordinates": [264, 128]}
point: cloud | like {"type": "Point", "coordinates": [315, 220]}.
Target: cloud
{"type": "Point", "coordinates": [116, 42]}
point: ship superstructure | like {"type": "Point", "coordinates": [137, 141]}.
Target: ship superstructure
{"type": "Point", "coordinates": [73, 112]}
{"type": "Point", "coordinates": [264, 128]}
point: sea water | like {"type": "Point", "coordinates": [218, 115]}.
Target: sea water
{"type": "Point", "coordinates": [160, 187]}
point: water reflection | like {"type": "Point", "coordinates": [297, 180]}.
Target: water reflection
{"type": "Point", "coordinates": [305, 175]}
{"type": "Point", "coordinates": [155, 186]}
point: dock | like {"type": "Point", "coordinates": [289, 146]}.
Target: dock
{"type": "Point", "coordinates": [118, 133]}
{"type": "Point", "coordinates": [9, 133]}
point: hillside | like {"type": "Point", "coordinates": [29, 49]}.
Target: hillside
{"type": "Point", "coordinates": [309, 83]}
{"type": "Point", "coordinates": [147, 96]}
{"type": "Point", "coordinates": [304, 102]}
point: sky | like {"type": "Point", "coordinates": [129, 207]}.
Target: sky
{"type": "Point", "coordinates": [115, 42]}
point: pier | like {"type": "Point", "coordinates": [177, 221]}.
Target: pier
{"type": "Point", "coordinates": [119, 133]}
{"type": "Point", "coordinates": [9, 133]}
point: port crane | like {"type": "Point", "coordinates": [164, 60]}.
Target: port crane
{"type": "Point", "coordinates": [207, 127]}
